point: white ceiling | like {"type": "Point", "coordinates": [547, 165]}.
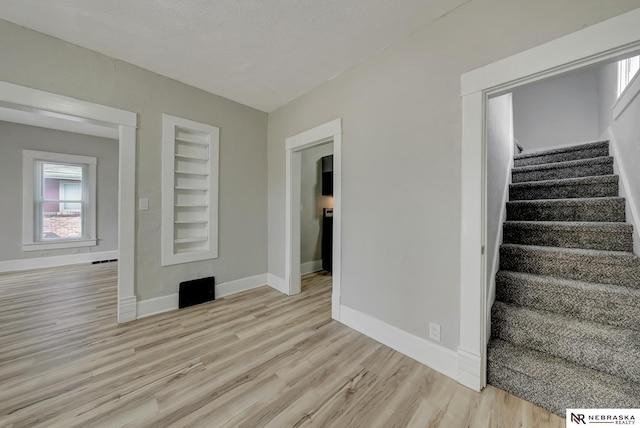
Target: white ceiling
{"type": "Point", "coordinates": [262, 53]}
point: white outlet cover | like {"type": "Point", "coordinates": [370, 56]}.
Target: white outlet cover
{"type": "Point", "coordinates": [434, 331]}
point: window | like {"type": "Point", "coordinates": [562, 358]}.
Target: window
{"type": "Point", "coordinates": [627, 69]}
{"type": "Point", "coordinates": [59, 206]}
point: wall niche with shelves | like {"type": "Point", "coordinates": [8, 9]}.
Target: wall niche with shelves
{"type": "Point", "coordinates": [190, 152]}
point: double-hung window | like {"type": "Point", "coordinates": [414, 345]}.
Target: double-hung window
{"type": "Point", "coordinates": [59, 200]}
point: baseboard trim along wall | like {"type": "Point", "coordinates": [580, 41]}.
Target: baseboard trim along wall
{"type": "Point", "coordinates": [53, 261]}
{"type": "Point", "coordinates": [428, 353]}
{"type": "Point", "coordinates": [310, 267]}
{"type": "Point", "coordinates": [276, 282]}
{"type": "Point", "coordinates": [168, 303]}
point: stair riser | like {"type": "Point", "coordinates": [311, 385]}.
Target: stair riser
{"type": "Point", "coordinates": [593, 349]}
{"type": "Point", "coordinates": [611, 211]}
{"type": "Point", "coordinates": [558, 173]}
{"type": "Point", "coordinates": [544, 393]}
{"type": "Point", "coordinates": [585, 304]}
{"type": "Point", "coordinates": [587, 190]}
{"type": "Point", "coordinates": [577, 238]}
{"type": "Point", "coordinates": [604, 270]}
{"type": "Point", "coordinates": [593, 152]}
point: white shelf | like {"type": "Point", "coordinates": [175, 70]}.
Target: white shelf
{"type": "Point", "coordinates": [199, 189]}
{"type": "Point", "coordinates": [190, 162]}
{"type": "Point", "coordinates": [189, 157]}
{"type": "Point", "coordinates": [203, 174]}
{"type": "Point", "coordinates": [190, 240]}
{"type": "Point", "coordinates": [191, 141]}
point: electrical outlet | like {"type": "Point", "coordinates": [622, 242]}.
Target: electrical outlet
{"type": "Point", "coordinates": [143, 204]}
{"type": "Point", "coordinates": [434, 331]}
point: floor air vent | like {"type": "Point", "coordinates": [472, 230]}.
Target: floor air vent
{"type": "Point", "coordinates": [196, 291]}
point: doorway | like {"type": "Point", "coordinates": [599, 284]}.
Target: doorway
{"type": "Point", "coordinates": [615, 38]}
{"type": "Point", "coordinates": [329, 132]}
{"type": "Point", "coordinates": [53, 111]}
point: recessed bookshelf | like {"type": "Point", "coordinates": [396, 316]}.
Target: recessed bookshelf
{"type": "Point", "coordinates": [190, 191]}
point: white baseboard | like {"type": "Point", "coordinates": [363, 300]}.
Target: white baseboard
{"type": "Point", "coordinates": [53, 261]}
{"type": "Point", "coordinates": [430, 354]}
{"type": "Point", "coordinates": [470, 370]}
{"type": "Point", "coordinates": [274, 281]}
{"type": "Point", "coordinates": [169, 302]}
{"type": "Point", "coordinates": [310, 267]}
{"type": "Point", "coordinates": [127, 309]}
{"type": "Point", "coordinates": [243, 284]}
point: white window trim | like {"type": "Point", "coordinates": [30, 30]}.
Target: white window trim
{"type": "Point", "coordinates": [29, 157]}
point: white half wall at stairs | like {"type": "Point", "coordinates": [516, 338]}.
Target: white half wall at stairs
{"type": "Point", "coordinates": [500, 150]}
{"type": "Point", "coordinates": [622, 129]}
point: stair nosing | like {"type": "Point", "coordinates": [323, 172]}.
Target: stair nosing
{"type": "Point", "coordinates": [565, 149]}
{"type": "Point", "coordinates": [571, 224]}
{"type": "Point", "coordinates": [563, 164]}
{"type": "Point", "coordinates": [574, 283]}
{"type": "Point", "coordinates": [574, 251]}
{"type": "Point", "coordinates": [565, 200]}
{"type": "Point", "coordinates": [568, 181]}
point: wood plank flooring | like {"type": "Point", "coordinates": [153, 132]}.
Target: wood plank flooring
{"type": "Point", "coordinates": [254, 359]}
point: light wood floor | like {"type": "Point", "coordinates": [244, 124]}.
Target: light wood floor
{"type": "Point", "coordinates": [255, 359]}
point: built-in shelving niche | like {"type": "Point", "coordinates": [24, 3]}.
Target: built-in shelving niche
{"type": "Point", "coordinates": [189, 191]}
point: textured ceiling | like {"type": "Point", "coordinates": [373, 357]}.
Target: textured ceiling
{"type": "Point", "coordinates": [262, 53]}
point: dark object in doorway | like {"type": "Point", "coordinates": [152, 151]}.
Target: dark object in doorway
{"type": "Point", "coordinates": [327, 175]}
{"type": "Point", "coordinates": [196, 291]}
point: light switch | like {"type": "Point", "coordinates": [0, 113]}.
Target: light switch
{"type": "Point", "coordinates": [143, 204]}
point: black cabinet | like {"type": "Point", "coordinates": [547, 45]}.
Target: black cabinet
{"type": "Point", "coordinates": [327, 175]}
{"type": "Point", "coordinates": [327, 239]}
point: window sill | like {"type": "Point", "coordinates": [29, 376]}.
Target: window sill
{"type": "Point", "coordinates": [68, 243]}
{"type": "Point", "coordinates": [627, 96]}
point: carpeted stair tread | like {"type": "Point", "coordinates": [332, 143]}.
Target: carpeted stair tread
{"type": "Point", "coordinates": [608, 267]}
{"type": "Point", "coordinates": [609, 209]}
{"type": "Point", "coordinates": [604, 303]}
{"type": "Point", "coordinates": [562, 154]}
{"type": "Point", "coordinates": [608, 236]}
{"type": "Point", "coordinates": [601, 347]}
{"type": "Point", "coordinates": [554, 383]}
{"type": "Point", "coordinates": [568, 169]}
{"type": "Point", "coordinates": [583, 187]}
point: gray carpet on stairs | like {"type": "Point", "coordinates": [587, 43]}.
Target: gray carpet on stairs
{"type": "Point", "coordinates": [555, 383]}
{"type": "Point", "coordinates": [569, 169]}
{"type": "Point", "coordinates": [566, 321]}
{"type": "Point", "coordinates": [609, 209]}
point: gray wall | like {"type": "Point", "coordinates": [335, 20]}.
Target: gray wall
{"type": "Point", "coordinates": [312, 202]}
{"type": "Point", "coordinates": [401, 115]}
{"type": "Point", "coordinates": [499, 164]}
{"type": "Point", "coordinates": [42, 62]}
{"type": "Point", "coordinates": [607, 93]}
{"type": "Point", "coordinates": [13, 139]}
{"type": "Point", "coordinates": [558, 111]}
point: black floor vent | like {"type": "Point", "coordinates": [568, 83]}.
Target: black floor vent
{"type": "Point", "coordinates": [104, 261]}
{"type": "Point", "coordinates": [196, 291]}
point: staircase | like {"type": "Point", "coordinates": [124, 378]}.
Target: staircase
{"type": "Point", "coordinates": [566, 322]}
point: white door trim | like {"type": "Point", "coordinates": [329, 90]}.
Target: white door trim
{"type": "Point", "coordinates": [604, 41]}
{"type": "Point", "coordinates": [331, 131]}
{"type": "Point", "coordinates": [45, 106]}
